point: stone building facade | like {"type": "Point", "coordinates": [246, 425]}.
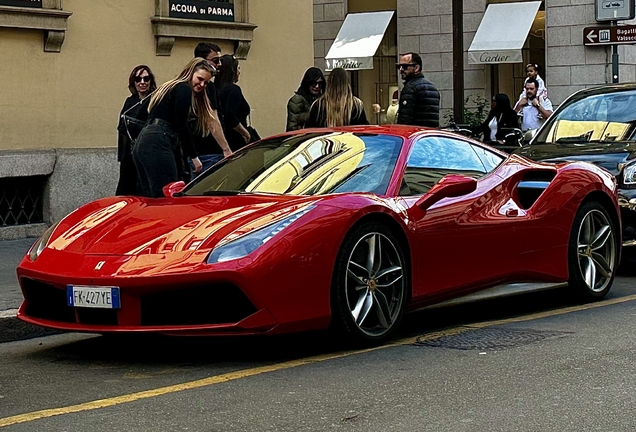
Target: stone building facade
{"type": "Point", "coordinates": [425, 27]}
{"type": "Point", "coordinates": [64, 73]}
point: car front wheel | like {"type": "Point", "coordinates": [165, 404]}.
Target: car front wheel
{"type": "Point", "coordinates": [370, 283]}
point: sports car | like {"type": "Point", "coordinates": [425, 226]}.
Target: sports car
{"type": "Point", "coordinates": [347, 228]}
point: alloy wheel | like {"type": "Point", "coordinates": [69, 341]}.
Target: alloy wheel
{"type": "Point", "coordinates": [596, 250]}
{"type": "Point", "coordinates": [375, 284]}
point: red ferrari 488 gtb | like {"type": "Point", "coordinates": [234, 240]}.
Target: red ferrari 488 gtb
{"type": "Point", "coordinates": [348, 227]}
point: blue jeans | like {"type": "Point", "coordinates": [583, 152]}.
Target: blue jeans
{"type": "Point", "coordinates": [207, 161]}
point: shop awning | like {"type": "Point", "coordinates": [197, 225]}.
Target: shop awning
{"type": "Point", "coordinates": [502, 33]}
{"type": "Point", "coordinates": [358, 40]}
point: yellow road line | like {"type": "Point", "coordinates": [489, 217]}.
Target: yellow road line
{"type": "Point", "coordinates": [108, 402]}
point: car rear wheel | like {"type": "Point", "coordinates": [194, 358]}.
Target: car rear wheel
{"type": "Point", "coordinates": [370, 283]}
{"type": "Point", "coordinates": [593, 251]}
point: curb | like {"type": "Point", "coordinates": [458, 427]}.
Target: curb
{"type": "Point", "coordinates": [12, 329]}
{"type": "Point", "coordinates": [11, 313]}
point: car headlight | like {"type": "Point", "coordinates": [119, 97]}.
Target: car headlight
{"type": "Point", "coordinates": [248, 243]}
{"type": "Point", "coordinates": [629, 174]}
{"type": "Point", "coordinates": [41, 243]}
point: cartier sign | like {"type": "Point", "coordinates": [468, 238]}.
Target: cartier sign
{"type": "Point", "coordinates": [494, 57]}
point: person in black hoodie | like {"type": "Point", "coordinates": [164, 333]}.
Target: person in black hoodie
{"type": "Point", "coordinates": [210, 147]}
{"type": "Point", "coordinates": [233, 104]}
{"type": "Point", "coordinates": [311, 88]}
{"type": "Point", "coordinates": [419, 99]}
{"type": "Point", "coordinates": [141, 83]}
{"type": "Point", "coordinates": [500, 117]}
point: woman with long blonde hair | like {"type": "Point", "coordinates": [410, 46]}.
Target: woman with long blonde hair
{"type": "Point", "coordinates": [157, 153]}
{"type": "Point", "coordinates": [338, 106]}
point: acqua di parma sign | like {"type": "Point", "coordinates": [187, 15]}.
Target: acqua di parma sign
{"type": "Point", "coordinates": [201, 10]}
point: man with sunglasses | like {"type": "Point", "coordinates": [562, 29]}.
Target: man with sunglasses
{"type": "Point", "coordinates": [211, 149]}
{"type": "Point", "coordinates": [419, 100]}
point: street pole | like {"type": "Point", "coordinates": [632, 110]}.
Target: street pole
{"type": "Point", "coordinates": [458, 60]}
{"type": "Point", "coordinates": [614, 58]}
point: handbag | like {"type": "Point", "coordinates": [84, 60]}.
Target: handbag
{"type": "Point", "coordinates": [254, 136]}
{"type": "Point", "coordinates": [132, 124]}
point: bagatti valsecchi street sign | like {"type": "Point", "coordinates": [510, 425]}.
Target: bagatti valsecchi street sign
{"type": "Point", "coordinates": [623, 34]}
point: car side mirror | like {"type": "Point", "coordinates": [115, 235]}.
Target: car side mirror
{"type": "Point", "coordinates": [527, 137]}
{"type": "Point", "coordinates": [452, 185]}
{"type": "Point", "coordinates": [171, 189]}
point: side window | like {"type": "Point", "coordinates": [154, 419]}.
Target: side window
{"type": "Point", "coordinates": [434, 157]}
{"type": "Point", "coordinates": [489, 159]}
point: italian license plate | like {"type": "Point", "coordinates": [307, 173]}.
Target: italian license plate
{"type": "Point", "coordinates": [93, 297]}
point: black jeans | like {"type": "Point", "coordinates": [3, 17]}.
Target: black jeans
{"type": "Point", "coordinates": [154, 156]}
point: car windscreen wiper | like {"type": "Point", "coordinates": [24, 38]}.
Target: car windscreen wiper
{"type": "Point", "coordinates": [220, 193]}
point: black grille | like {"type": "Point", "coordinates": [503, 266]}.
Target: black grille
{"type": "Point", "coordinates": [97, 316]}
{"type": "Point", "coordinates": [21, 200]}
{"type": "Point", "coordinates": [45, 301]}
{"type": "Point", "coordinates": [210, 304]}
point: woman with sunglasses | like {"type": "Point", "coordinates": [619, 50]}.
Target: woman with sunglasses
{"type": "Point", "coordinates": [338, 106]}
{"type": "Point", "coordinates": [311, 88]}
{"type": "Point", "coordinates": [141, 83]}
{"type": "Point", "coordinates": [158, 153]}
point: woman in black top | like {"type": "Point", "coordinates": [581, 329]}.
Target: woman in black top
{"type": "Point", "coordinates": [233, 104]}
{"type": "Point", "coordinates": [141, 83]}
{"type": "Point", "coordinates": [157, 154]}
{"type": "Point", "coordinates": [338, 106]}
{"type": "Point", "coordinates": [500, 117]}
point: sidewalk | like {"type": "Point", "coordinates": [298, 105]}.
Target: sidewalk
{"type": "Point", "coordinates": [11, 253]}
{"type": "Point", "coordinates": [11, 328]}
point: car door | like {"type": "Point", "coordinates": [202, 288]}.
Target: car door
{"type": "Point", "coordinates": [461, 241]}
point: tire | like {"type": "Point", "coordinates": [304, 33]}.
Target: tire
{"type": "Point", "coordinates": [592, 252]}
{"type": "Point", "coordinates": [369, 287]}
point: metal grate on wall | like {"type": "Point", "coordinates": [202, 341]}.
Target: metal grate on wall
{"type": "Point", "coordinates": [21, 200]}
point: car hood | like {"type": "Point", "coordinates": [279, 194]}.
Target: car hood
{"type": "Point", "coordinates": [607, 155]}
{"type": "Point", "coordinates": [136, 226]}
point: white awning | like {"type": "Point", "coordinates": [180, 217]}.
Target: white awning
{"type": "Point", "coordinates": [502, 32]}
{"type": "Point", "coordinates": [358, 40]}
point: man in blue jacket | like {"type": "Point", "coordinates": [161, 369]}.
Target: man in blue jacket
{"type": "Point", "coordinates": [419, 101]}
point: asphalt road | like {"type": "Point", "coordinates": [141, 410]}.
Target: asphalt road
{"type": "Point", "coordinates": [534, 362]}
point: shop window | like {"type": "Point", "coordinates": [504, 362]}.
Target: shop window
{"type": "Point", "coordinates": [44, 15]}
{"type": "Point", "coordinates": [202, 19]}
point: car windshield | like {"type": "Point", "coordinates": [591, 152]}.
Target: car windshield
{"type": "Point", "coordinates": [597, 118]}
{"type": "Point", "coordinates": [304, 164]}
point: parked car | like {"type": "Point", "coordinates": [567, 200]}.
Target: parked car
{"type": "Point", "coordinates": [347, 227]}
{"type": "Point", "coordinates": [596, 125]}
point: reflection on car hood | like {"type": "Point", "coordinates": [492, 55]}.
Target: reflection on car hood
{"type": "Point", "coordinates": [133, 226]}
{"type": "Point", "coordinates": [607, 155]}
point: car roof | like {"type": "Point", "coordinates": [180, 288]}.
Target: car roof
{"type": "Point", "coordinates": [597, 90]}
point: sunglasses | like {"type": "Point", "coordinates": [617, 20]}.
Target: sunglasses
{"type": "Point", "coordinates": [139, 79]}
{"type": "Point", "coordinates": [315, 83]}
{"type": "Point", "coordinates": [404, 65]}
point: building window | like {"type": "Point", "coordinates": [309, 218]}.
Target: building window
{"type": "Point", "coordinates": [44, 15]}
{"type": "Point", "coordinates": [21, 200]}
